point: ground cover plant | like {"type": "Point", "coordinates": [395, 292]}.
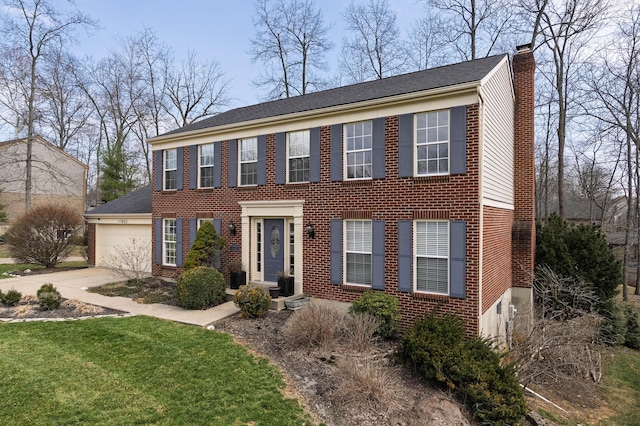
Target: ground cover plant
{"type": "Point", "coordinates": [136, 370]}
{"type": "Point", "coordinates": [146, 290]}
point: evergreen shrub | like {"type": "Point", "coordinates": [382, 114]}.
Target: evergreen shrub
{"type": "Point", "coordinates": [200, 288]}
{"type": "Point", "coordinates": [49, 297]}
{"type": "Point", "coordinates": [381, 306]}
{"type": "Point", "coordinates": [253, 301]}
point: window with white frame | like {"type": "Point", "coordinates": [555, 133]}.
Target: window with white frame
{"type": "Point", "coordinates": [298, 156]}
{"type": "Point", "coordinates": [358, 252]}
{"type": "Point", "coordinates": [432, 143]}
{"type": "Point", "coordinates": [249, 161]}
{"type": "Point", "coordinates": [169, 238]}
{"type": "Point", "coordinates": [170, 168]}
{"type": "Point", "coordinates": [358, 138]}
{"type": "Point", "coordinates": [205, 168]}
{"type": "Point", "coordinates": [432, 256]}
{"type": "Point", "coordinates": [203, 220]}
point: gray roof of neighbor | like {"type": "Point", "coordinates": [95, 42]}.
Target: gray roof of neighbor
{"type": "Point", "coordinates": [449, 75]}
{"type": "Point", "coordinates": [138, 201]}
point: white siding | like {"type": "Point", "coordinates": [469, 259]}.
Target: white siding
{"type": "Point", "coordinates": [497, 177]}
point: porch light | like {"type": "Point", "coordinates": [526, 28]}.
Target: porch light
{"type": "Point", "coordinates": [232, 228]}
{"type": "Point", "coordinates": [310, 231]}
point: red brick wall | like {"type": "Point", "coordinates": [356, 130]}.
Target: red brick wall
{"type": "Point", "coordinates": [390, 199]}
{"type": "Point", "coordinates": [496, 254]}
{"type": "Point", "coordinates": [524, 182]}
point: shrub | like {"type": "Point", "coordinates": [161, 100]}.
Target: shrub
{"type": "Point", "coordinates": [206, 248]}
{"type": "Point", "coordinates": [632, 333]}
{"type": "Point", "coordinates": [315, 326]}
{"type": "Point", "coordinates": [438, 349]}
{"type": "Point", "coordinates": [42, 234]}
{"type": "Point", "coordinates": [10, 298]}
{"type": "Point", "coordinates": [383, 307]}
{"type": "Point", "coordinates": [49, 297]}
{"type": "Point", "coordinates": [360, 330]}
{"type": "Point", "coordinates": [200, 288]}
{"type": "Point", "coordinates": [253, 301]}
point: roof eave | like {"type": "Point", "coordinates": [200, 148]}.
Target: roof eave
{"type": "Point", "coordinates": [328, 111]}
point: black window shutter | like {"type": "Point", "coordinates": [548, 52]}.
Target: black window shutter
{"type": "Point", "coordinates": [262, 160]}
{"type": "Point", "coordinates": [193, 230]}
{"type": "Point", "coordinates": [336, 152]}
{"type": "Point", "coordinates": [158, 241]}
{"type": "Point", "coordinates": [405, 256]}
{"type": "Point", "coordinates": [457, 258]}
{"type": "Point", "coordinates": [179, 247]}
{"type": "Point", "coordinates": [159, 170]}
{"type": "Point", "coordinates": [377, 257]}
{"type": "Point", "coordinates": [458, 142]}
{"type": "Point", "coordinates": [217, 164]}
{"type": "Point", "coordinates": [281, 158]}
{"type": "Point", "coordinates": [314, 154]}
{"type": "Point", "coordinates": [405, 145]}
{"type": "Point", "coordinates": [378, 151]}
{"type": "Point", "coordinates": [193, 166]}
{"type": "Point", "coordinates": [217, 225]}
{"type": "Point", "coordinates": [233, 162]}
{"type": "Point", "coordinates": [336, 251]}
{"type": "Point", "coordinates": [180, 168]}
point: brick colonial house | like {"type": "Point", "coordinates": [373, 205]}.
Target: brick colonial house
{"type": "Point", "coordinates": [406, 185]}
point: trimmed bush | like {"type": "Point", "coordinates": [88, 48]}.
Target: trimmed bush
{"type": "Point", "coordinates": [10, 298]}
{"type": "Point", "coordinates": [43, 234]}
{"type": "Point", "coordinates": [49, 297]}
{"type": "Point", "coordinates": [253, 301]}
{"type": "Point", "coordinates": [200, 288]}
{"type": "Point", "coordinates": [438, 349]}
{"type": "Point", "coordinates": [381, 306]}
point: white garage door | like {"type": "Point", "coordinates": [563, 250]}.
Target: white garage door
{"type": "Point", "coordinates": [116, 241]}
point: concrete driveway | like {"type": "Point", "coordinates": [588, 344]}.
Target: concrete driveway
{"type": "Point", "coordinates": [70, 284]}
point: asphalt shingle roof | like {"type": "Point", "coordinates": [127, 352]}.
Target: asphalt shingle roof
{"type": "Point", "coordinates": [449, 75]}
{"type": "Point", "coordinates": [138, 201]}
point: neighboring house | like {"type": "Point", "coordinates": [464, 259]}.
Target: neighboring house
{"type": "Point", "coordinates": [113, 227]}
{"type": "Point", "coordinates": [419, 185]}
{"type": "Point", "coordinates": [57, 177]}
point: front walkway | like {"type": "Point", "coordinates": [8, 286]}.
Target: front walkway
{"type": "Point", "coordinates": [73, 284]}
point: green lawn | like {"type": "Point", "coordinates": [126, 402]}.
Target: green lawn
{"type": "Point", "coordinates": [22, 266]}
{"type": "Point", "coordinates": [136, 370]}
{"type": "Point", "coordinates": [622, 387]}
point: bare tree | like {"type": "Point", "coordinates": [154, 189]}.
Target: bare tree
{"type": "Point", "coordinates": [424, 44]}
{"type": "Point", "coordinates": [195, 91]}
{"type": "Point", "coordinates": [474, 28]}
{"type": "Point", "coordinates": [565, 28]}
{"type": "Point", "coordinates": [291, 40]}
{"type": "Point", "coordinates": [616, 86]}
{"type": "Point", "coordinates": [33, 26]}
{"type": "Point", "coordinates": [374, 49]}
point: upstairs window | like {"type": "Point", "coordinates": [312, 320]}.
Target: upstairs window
{"type": "Point", "coordinates": [249, 161]}
{"type": "Point", "coordinates": [298, 156]}
{"type": "Point", "coordinates": [206, 166]}
{"type": "Point", "coordinates": [358, 138]}
{"type": "Point", "coordinates": [358, 252]}
{"type": "Point", "coordinates": [432, 256]}
{"type": "Point", "coordinates": [170, 169]}
{"type": "Point", "coordinates": [432, 143]}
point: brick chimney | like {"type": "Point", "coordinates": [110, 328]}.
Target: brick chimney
{"type": "Point", "coordinates": [524, 230]}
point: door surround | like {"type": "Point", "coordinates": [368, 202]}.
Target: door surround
{"type": "Point", "coordinates": [288, 209]}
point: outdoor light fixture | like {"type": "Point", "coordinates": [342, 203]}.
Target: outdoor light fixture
{"type": "Point", "coordinates": [310, 231]}
{"type": "Point", "coordinates": [232, 228]}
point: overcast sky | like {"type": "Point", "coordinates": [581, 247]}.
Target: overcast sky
{"type": "Point", "coordinates": [219, 29]}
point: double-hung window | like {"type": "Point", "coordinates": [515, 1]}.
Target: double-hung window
{"type": "Point", "coordinates": [249, 161]}
{"type": "Point", "coordinates": [358, 138]}
{"type": "Point", "coordinates": [169, 240]}
{"type": "Point", "coordinates": [432, 143]}
{"type": "Point", "coordinates": [358, 252]}
{"type": "Point", "coordinates": [170, 169]}
{"type": "Point", "coordinates": [432, 256]}
{"type": "Point", "coordinates": [206, 166]}
{"type": "Point", "coordinates": [298, 156]}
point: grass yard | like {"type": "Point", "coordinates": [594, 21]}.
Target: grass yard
{"type": "Point", "coordinates": [136, 370]}
{"type": "Point", "coordinates": [622, 387]}
{"type": "Point", "coordinates": [22, 266]}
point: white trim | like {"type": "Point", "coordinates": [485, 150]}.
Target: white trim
{"type": "Point", "coordinates": [212, 166]}
{"type": "Point", "coordinates": [120, 219]}
{"type": "Point", "coordinates": [427, 143]}
{"type": "Point", "coordinates": [414, 255]}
